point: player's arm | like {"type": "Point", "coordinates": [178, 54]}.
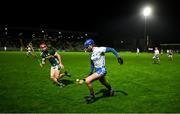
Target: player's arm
{"type": "Point", "coordinates": [43, 60]}
{"type": "Point", "coordinates": [108, 49]}
{"type": "Point", "coordinates": [59, 59]}
{"type": "Point", "coordinates": [49, 56]}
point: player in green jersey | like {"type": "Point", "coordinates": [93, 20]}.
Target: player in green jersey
{"type": "Point", "coordinates": [56, 63]}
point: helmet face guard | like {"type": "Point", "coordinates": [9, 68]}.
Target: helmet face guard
{"type": "Point", "coordinates": [88, 49]}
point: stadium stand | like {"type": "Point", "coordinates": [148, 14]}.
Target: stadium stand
{"type": "Point", "coordinates": [14, 38]}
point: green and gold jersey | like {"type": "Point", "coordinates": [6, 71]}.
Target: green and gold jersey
{"type": "Point", "coordinates": [49, 54]}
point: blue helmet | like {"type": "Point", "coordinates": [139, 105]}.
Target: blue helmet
{"type": "Point", "coordinates": [88, 42]}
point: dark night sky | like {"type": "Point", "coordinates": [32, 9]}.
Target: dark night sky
{"type": "Point", "coordinates": [111, 19]}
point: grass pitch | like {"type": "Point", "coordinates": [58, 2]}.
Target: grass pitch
{"type": "Point", "coordinates": [140, 85]}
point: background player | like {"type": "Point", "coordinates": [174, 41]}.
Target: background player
{"type": "Point", "coordinates": [170, 55]}
{"type": "Point", "coordinates": [156, 58]}
{"type": "Point", "coordinates": [137, 51]}
{"type": "Point", "coordinates": [29, 49]}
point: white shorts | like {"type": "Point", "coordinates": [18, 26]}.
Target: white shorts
{"type": "Point", "coordinates": [57, 67]}
{"type": "Point", "coordinates": [170, 56]}
{"type": "Point", "coordinates": [29, 52]}
{"type": "Point", "coordinates": [101, 71]}
{"type": "Point", "coordinates": [156, 57]}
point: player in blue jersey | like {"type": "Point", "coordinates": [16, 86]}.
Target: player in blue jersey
{"type": "Point", "coordinates": [98, 69]}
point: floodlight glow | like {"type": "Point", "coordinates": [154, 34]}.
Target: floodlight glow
{"type": "Point", "coordinates": [147, 11]}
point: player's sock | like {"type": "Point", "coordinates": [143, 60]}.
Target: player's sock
{"type": "Point", "coordinates": [67, 74]}
{"type": "Point", "coordinates": [111, 92]}
{"type": "Point", "coordinates": [59, 80]}
{"type": "Point", "coordinates": [92, 94]}
{"type": "Point", "coordinates": [90, 98]}
{"type": "Point", "coordinates": [61, 85]}
{"type": "Point", "coordinates": [108, 86]}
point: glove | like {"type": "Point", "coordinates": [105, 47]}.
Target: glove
{"type": "Point", "coordinates": [120, 60]}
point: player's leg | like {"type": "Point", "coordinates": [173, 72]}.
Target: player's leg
{"type": "Point", "coordinates": [32, 54]}
{"type": "Point", "coordinates": [154, 60]}
{"type": "Point", "coordinates": [58, 73]}
{"type": "Point", "coordinates": [58, 76]}
{"type": "Point", "coordinates": [89, 81]}
{"type": "Point", "coordinates": [158, 59]}
{"type": "Point", "coordinates": [171, 58]}
{"type": "Point", "coordinates": [27, 53]}
{"type": "Point", "coordinates": [64, 72]}
{"type": "Point", "coordinates": [61, 73]}
{"type": "Point", "coordinates": [53, 77]}
{"type": "Point", "coordinates": [107, 85]}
